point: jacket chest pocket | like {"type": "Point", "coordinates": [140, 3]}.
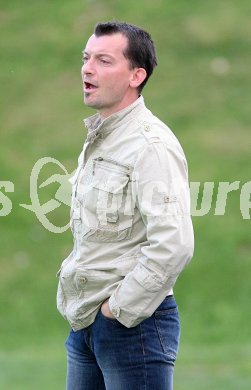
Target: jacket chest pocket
{"type": "Point", "coordinates": [106, 207]}
{"type": "Point", "coordinates": [109, 195]}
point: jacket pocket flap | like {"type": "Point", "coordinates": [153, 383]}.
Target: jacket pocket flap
{"type": "Point", "coordinates": [114, 184]}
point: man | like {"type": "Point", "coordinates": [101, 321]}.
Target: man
{"type": "Point", "coordinates": [131, 225]}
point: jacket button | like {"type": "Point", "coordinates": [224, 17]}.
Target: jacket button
{"type": "Point", "coordinates": [115, 311]}
{"type": "Point", "coordinates": [147, 127]}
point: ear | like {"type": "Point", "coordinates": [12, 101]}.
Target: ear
{"type": "Point", "coordinates": [138, 76]}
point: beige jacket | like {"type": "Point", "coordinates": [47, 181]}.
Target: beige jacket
{"type": "Point", "coordinates": [130, 218]}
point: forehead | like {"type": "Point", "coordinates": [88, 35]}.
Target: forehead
{"type": "Point", "coordinates": [111, 44]}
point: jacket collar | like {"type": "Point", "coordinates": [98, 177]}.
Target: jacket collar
{"type": "Point", "coordinates": [96, 126]}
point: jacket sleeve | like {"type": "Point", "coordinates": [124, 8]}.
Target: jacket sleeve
{"type": "Point", "coordinates": [161, 193]}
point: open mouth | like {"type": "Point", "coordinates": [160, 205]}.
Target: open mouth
{"type": "Point", "coordinates": [89, 87]}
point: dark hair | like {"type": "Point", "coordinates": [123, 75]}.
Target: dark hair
{"type": "Point", "coordinates": [140, 50]}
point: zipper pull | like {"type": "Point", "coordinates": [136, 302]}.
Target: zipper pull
{"type": "Point", "coordinates": [93, 166]}
{"type": "Point", "coordinates": [94, 163]}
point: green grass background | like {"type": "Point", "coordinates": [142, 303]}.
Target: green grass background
{"type": "Point", "coordinates": [208, 107]}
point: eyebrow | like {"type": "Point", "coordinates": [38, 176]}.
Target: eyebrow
{"type": "Point", "coordinates": [99, 54]}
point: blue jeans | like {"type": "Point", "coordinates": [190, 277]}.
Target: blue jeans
{"type": "Point", "coordinates": [108, 356]}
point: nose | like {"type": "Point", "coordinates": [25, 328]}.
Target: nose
{"type": "Point", "coordinates": [87, 68]}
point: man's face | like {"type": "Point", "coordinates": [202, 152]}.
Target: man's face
{"type": "Point", "coordinates": [107, 74]}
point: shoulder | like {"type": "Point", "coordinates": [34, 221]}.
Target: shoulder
{"type": "Point", "coordinates": [156, 131]}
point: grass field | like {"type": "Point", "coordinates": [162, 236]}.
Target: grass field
{"type": "Point", "coordinates": [201, 88]}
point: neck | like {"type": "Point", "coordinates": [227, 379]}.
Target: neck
{"type": "Point", "coordinates": [106, 112]}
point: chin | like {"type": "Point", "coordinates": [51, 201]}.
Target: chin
{"type": "Point", "coordinates": [88, 102]}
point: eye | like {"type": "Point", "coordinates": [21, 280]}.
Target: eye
{"type": "Point", "coordinates": [84, 59]}
{"type": "Point", "coordinates": [104, 61]}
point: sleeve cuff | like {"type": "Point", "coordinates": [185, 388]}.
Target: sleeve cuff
{"type": "Point", "coordinates": [121, 316]}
